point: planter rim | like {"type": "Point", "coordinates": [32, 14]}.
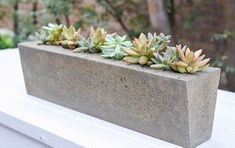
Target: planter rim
{"type": "Point", "coordinates": [97, 58]}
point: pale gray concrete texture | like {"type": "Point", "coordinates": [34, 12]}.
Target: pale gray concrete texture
{"type": "Point", "coordinates": [177, 108]}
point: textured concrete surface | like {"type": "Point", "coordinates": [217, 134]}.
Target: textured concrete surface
{"type": "Point", "coordinates": [178, 108]}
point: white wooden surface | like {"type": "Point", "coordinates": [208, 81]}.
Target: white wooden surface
{"type": "Point", "coordinates": [29, 122]}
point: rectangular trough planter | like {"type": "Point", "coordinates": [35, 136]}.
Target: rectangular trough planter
{"type": "Point", "coordinates": [177, 108]}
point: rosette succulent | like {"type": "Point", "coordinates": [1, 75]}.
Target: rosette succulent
{"type": "Point", "coordinates": [141, 52]}
{"type": "Point", "coordinates": [71, 37]}
{"type": "Point", "coordinates": [42, 35]}
{"type": "Point", "coordinates": [164, 61]}
{"type": "Point", "coordinates": [114, 45]}
{"type": "Point", "coordinates": [51, 34]}
{"type": "Point", "coordinates": [160, 41]}
{"type": "Point", "coordinates": [189, 61]}
{"type": "Point", "coordinates": [93, 43]}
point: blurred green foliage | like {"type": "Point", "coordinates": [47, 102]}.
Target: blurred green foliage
{"type": "Point", "coordinates": [6, 41]}
{"type": "Point", "coordinates": [88, 16]}
{"type": "Point", "coordinates": [221, 63]}
{"type": "Point", "coordinates": [226, 35]}
{"type": "Point", "coordinates": [189, 22]}
{"type": "Point", "coordinates": [125, 12]}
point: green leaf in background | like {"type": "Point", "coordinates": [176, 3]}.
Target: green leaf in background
{"type": "Point", "coordinates": [6, 41]}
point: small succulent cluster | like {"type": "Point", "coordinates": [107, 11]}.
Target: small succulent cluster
{"type": "Point", "coordinates": [144, 47]}
{"type": "Point", "coordinates": [93, 43]}
{"type": "Point", "coordinates": [54, 34]}
{"type": "Point", "coordinates": [151, 49]}
{"type": "Point", "coordinates": [181, 60]}
{"type": "Point", "coordinates": [164, 60]}
{"type": "Point", "coordinates": [51, 34]}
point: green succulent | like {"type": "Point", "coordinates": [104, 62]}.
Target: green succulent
{"type": "Point", "coordinates": [98, 37]}
{"type": "Point", "coordinates": [189, 61]}
{"type": "Point", "coordinates": [93, 43]}
{"type": "Point", "coordinates": [114, 45]}
{"type": "Point", "coordinates": [141, 52]}
{"type": "Point", "coordinates": [160, 41]}
{"type": "Point", "coordinates": [144, 47]}
{"type": "Point", "coordinates": [51, 34]}
{"type": "Point", "coordinates": [71, 37]}
{"type": "Point", "coordinates": [42, 35]}
{"type": "Point", "coordinates": [164, 61]}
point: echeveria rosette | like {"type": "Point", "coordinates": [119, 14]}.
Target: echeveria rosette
{"type": "Point", "coordinates": [98, 37]}
{"type": "Point", "coordinates": [71, 37]}
{"type": "Point", "coordinates": [51, 34]}
{"type": "Point", "coordinates": [141, 52]}
{"type": "Point", "coordinates": [114, 45]}
{"type": "Point", "coordinates": [189, 61]}
{"type": "Point", "coordinates": [164, 60]}
{"type": "Point", "coordinates": [93, 43]}
{"type": "Point", "coordinates": [85, 45]}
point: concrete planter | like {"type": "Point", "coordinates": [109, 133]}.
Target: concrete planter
{"type": "Point", "coordinates": [177, 108]}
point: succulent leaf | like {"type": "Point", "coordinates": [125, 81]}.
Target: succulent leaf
{"type": "Point", "coordinates": [131, 59]}
{"type": "Point", "coordinates": [143, 60]}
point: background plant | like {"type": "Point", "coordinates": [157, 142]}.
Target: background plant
{"type": "Point", "coordinates": [6, 41]}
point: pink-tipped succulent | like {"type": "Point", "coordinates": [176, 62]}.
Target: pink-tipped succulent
{"type": "Point", "coordinates": [189, 61]}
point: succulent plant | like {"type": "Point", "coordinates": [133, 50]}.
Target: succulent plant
{"type": "Point", "coordinates": [189, 61]}
{"type": "Point", "coordinates": [114, 45]}
{"type": "Point", "coordinates": [93, 43]}
{"type": "Point", "coordinates": [160, 41]}
{"type": "Point", "coordinates": [141, 52]}
{"type": "Point", "coordinates": [164, 62]}
{"type": "Point", "coordinates": [51, 34]}
{"type": "Point", "coordinates": [71, 37]}
{"type": "Point", "coordinates": [42, 35]}
{"type": "Point", "coordinates": [151, 50]}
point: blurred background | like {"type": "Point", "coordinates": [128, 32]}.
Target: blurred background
{"type": "Point", "coordinates": [206, 24]}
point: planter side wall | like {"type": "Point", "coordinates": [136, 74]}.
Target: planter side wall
{"type": "Point", "coordinates": [148, 103]}
{"type": "Point", "coordinates": [202, 93]}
